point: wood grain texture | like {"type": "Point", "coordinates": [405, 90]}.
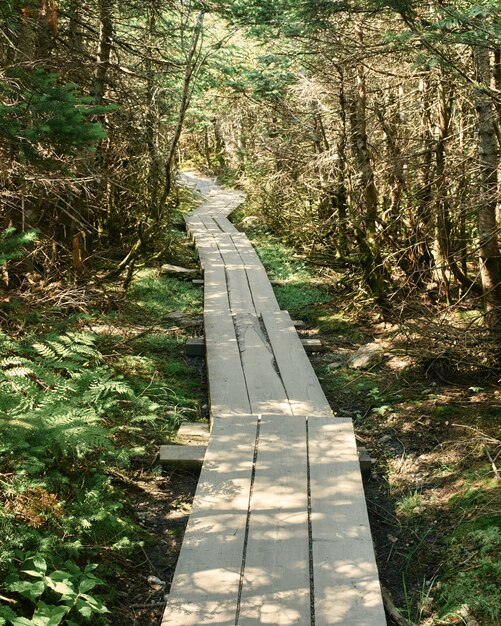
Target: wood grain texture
{"type": "Point", "coordinates": [303, 389]}
{"type": "Point", "coordinates": [264, 385]}
{"type": "Point", "coordinates": [347, 587]}
{"type": "Point", "coordinates": [276, 581]}
{"type": "Point", "coordinates": [206, 583]}
{"type": "Point", "coordinates": [227, 383]}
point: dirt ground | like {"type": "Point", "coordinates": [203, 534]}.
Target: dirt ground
{"type": "Point", "coordinates": [162, 502]}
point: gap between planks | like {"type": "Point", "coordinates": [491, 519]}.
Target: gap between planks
{"type": "Point", "coordinates": [278, 499]}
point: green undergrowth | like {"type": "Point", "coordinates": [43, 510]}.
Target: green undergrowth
{"type": "Point", "coordinates": [434, 499]}
{"type": "Point", "coordinates": [295, 283]}
{"type": "Point", "coordinates": [81, 402]}
{"type": "Point", "coordinates": [474, 570]}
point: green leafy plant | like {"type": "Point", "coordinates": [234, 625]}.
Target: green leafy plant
{"type": "Point", "coordinates": [61, 412]}
{"type": "Point", "coordinates": [52, 596]}
{"type": "Point", "coordinates": [11, 244]}
{"type": "Point", "coordinates": [53, 394]}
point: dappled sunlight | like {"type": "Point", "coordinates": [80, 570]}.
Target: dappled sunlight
{"type": "Point", "coordinates": [339, 603]}
{"type": "Point", "coordinates": [281, 608]}
{"type": "Point", "coordinates": [257, 526]}
{"type": "Point", "coordinates": [212, 609]}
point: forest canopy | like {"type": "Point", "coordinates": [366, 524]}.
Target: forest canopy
{"type": "Point", "coordinates": [372, 126]}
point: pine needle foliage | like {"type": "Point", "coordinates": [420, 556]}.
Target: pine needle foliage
{"type": "Point", "coordinates": [39, 112]}
{"type": "Point", "coordinates": [12, 243]}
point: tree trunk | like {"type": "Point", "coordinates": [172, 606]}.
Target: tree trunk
{"type": "Point", "coordinates": [104, 49]}
{"type": "Point", "coordinates": [490, 259]}
{"type": "Point", "coordinates": [442, 245]}
{"type": "Point", "coordinates": [26, 33]}
{"type": "Point", "coordinates": [75, 34]}
{"type": "Point", "coordinates": [191, 64]}
{"type": "Point", "coordinates": [152, 119]}
{"type": "Point", "coordinates": [365, 227]}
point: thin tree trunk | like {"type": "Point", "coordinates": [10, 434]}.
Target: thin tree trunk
{"type": "Point", "coordinates": [26, 33]}
{"type": "Point", "coordinates": [75, 34]}
{"type": "Point", "coordinates": [490, 259]}
{"type": "Point", "coordinates": [365, 228]}
{"type": "Point", "coordinates": [442, 219]}
{"type": "Point", "coordinates": [152, 119]}
{"type": "Point", "coordinates": [104, 49]}
{"type": "Point", "coordinates": [191, 63]}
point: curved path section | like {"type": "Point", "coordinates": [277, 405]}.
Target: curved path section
{"type": "Point", "coordinates": [279, 532]}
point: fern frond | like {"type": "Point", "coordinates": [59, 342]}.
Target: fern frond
{"type": "Point", "coordinates": [45, 351]}
{"type": "Point", "coordinates": [14, 360]}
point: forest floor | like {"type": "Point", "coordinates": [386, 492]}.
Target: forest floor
{"type": "Point", "coordinates": [428, 413]}
{"type": "Point", "coordinates": [429, 418]}
{"type": "Point", "coordinates": [433, 495]}
{"type": "Point", "coordinates": [431, 428]}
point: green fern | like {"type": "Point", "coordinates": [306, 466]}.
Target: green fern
{"type": "Point", "coordinates": [11, 244]}
{"type": "Point", "coordinates": [54, 395]}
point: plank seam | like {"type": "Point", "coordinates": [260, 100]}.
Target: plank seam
{"type": "Point", "coordinates": [276, 366]}
{"type": "Point", "coordinates": [310, 529]}
{"type": "Point", "coordinates": [262, 326]}
{"type": "Point", "coordinates": [235, 329]}
{"type": "Point", "coordinates": [246, 274]}
{"type": "Point", "coordinates": [247, 522]}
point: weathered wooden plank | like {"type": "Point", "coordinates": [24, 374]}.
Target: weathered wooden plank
{"type": "Point", "coordinates": [225, 224]}
{"type": "Point", "coordinates": [264, 385]}
{"type": "Point", "coordinates": [211, 225]}
{"type": "Point", "coordinates": [300, 381]}
{"type": "Point", "coordinates": [227, 383]}
{"type": "Point", "coordinates": [215, 289]}
{"type": "Point", "coordinates": [262, 292]}
{"type": "Point", "coordinates": [208, 250]}
{"type": "Point", "coordinates": [238, 286]}
{"type": "Point", "coordinates": [276, 581]}
{"type": "Point", "coordinates": [346, 581]}
{"type": "Point", "coordinates": [237, 253]}
{"type": "Point", "coordinates": [206, 583]}
{"type": "Point", "coordinates": [241, 298]}
{"type": "Point", "coordinates": [188, 457]}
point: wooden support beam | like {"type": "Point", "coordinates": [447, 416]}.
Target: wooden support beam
{"type": "Point", "coordinates": [185, 457]}
{"type": "Point", "coordinates": [365, 462]}
{"type": "Point", "coordinates": [197, 432]}
{"type": "Point", "coordinates": [195, 346]}
{"type": "Point", "coordinates": [313, 345]}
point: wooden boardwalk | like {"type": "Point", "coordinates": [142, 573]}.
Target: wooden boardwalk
{"type": "Point", "coordinates": [279, 532]}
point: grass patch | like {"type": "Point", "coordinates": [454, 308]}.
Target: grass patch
{"type": "Point", "coordinates": [156, 295]}
{"type": "Point", "coordinates": [473, 571]}
{"type": "Point", "coordinates": [299, 289]}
